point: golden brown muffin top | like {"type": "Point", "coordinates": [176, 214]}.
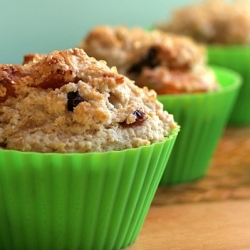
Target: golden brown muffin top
{"type": "Point", "coordinates": [67, 101]}
{"type": "Point", "coordinates": [165, 62]}
{"type": "Point", "coordinates": [212, 22]}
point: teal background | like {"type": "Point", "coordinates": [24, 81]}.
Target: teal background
{"type": "Point", "coordinates": [28, 26]}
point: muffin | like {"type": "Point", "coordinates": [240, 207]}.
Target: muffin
{"type": "Point", "coordinates": [212, 22]}
{"type": "Point", "coordinates": [162, 61]}
{"type": "Point", "coordinates": [82, 153]}
{"type": "Point", "coordinates": [225, 28]}
{"type": "Point", "coordinates": [200, 97]}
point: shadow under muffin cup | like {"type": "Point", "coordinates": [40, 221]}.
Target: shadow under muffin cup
{"type": "Point", "coordinates": [78, 201]}
{"type": "Point", "coordinates": [236, 58]}
{"type": "Point", "coordinates": [202, 118]}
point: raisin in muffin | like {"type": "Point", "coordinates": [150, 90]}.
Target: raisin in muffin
{"type": "Point", "coordinates": [212, 22]}
{"type": "Point", "coordinates": [68, 102]}
{"type": "Point", "coordinates": [167, 63]}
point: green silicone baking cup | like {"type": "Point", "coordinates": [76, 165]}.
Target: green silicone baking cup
{"type": "Point", "coordinates": [202, 118]}
{"type": "Point", "coordinates": [236, 58]}
{"type": "Point", "coordinates": [78, 201]}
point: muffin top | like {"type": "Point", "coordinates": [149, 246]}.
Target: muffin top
{"type": "Point", "coordinates": [212, 22]}
{"type": "Point", "coordinates": [67, 101]}
{"type": "Point", "coordinates": [167, 63]}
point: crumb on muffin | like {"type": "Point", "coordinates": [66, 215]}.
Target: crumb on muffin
{"type": "Point", "coordinates": [67, 101]}
{"type": "Point", "coordinates": [212, 22]}
{"type": "Point", "coordinates": [165, 62]}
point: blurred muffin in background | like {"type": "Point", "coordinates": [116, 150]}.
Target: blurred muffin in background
{"type": "Point", "coordinates": [199, 97]}
{"type": "Point", "coordinates": [161, 61]}
{"type": "Point", "coordinates": [212, 22]}
{"type": "Point", "coordinates": [224, 26]}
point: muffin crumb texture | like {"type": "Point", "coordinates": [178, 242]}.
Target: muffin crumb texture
{"type": "Point", "coordinates": [213, 22]}
{"type": "Point", "coordinates": [167, 63]}
{"type": "Point", "coordinates": [67, 101]}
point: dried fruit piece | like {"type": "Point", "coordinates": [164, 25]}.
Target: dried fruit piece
{"type": "Point", "coordinates": [73, 100]}
{"type": "Point", "coordinates": [140, 115]}
{"type": "Point", "coordinates": [150, 61]}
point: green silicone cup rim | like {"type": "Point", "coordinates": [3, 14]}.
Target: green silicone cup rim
{"type": "Point", "coordinates": [225, 87]}
{"type": "Point", "coordinates": [172, 135]}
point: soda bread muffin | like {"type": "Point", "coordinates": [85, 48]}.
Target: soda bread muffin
{"type": "Point", "coordinates": [212, 22]}
{"type": "Point", "coordinates": [167, 63]}
{"type": "Point", "coordinates": [199, 97]}
{"type": "Point", "coordinates": [67, 101]}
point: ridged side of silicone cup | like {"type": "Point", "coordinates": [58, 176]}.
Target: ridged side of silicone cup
{"type": "Point", "coordinates": [78, 201]}
{"type": "Point", "coordinates": [236, 58]}
{"type": "Point", "coordinates": [202, 118]}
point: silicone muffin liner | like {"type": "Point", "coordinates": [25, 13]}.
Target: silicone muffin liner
{"type": "Point", "coordinates": [202, 118]}
{"type": "Point", "coordinates": [236, 58]}
{"type": "Point", "coordinates": [78, 201]}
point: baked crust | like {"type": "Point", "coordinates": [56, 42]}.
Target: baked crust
{"type": "Point", "coordinates": [67, 101]}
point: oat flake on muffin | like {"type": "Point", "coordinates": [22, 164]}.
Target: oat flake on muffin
{"type": "Point", "coordinates": [67, 101]}
{"type": "Point", "coordinates": [167, 63]}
